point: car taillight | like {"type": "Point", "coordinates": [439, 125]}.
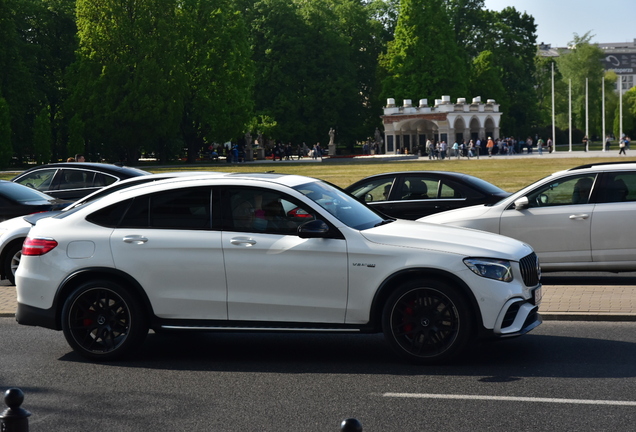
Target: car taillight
{"type": "Point", "coordinates": [36, 246]}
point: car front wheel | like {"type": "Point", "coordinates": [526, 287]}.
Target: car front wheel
{"type": "Point", "coordinates": [427, 321]}
{"type": "Point", "coordinates": [103, 321]}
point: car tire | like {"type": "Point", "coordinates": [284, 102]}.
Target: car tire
{"type": "Point", "coordinates": [12, 260]}
{"type": "Point", "coordinates": [102, 321]}
{"type": "Point", "coordinates": [427, 322]}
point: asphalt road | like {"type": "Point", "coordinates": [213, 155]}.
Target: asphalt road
{"type": "Point", "coordinates": [566, 376]}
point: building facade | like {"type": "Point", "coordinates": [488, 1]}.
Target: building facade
{"type": "Point", "coordinates": [408, 127]}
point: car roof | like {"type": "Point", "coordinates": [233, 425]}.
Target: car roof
{"type": "Point", "coordinates": [607, 165]}
{"type": "Point", "coordinates": [288, 180]}
{"type": "Point", "coordinates": [102, 167]}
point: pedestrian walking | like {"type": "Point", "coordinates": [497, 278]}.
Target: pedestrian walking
{"type": "Point", "coordinates": [622, 144]}
{"type": "Point", "coordinates": [489, 146]}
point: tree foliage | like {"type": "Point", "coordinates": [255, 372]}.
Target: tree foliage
{"type": "Point", "coordinates": [42, 136]}
{"type": "Point", "coordinates": [123, 77]}
{"type": "Point", "coordinates": [583, 63]}
{"type": "Point", "coordinates": [423, 60]}
{"type": "Point", "coordinates": [6, 150]}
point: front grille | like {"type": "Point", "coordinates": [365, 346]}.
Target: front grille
{"type": "Point", "coordinates": [530, 270]}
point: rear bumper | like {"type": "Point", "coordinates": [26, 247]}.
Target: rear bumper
{"type": "Point", "coordinates": [32, 316]}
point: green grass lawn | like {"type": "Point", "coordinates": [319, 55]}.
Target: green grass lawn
{"type": "Point", "coordinates": [509, 174]}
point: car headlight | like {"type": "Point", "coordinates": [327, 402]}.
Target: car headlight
{"type": "Point", "coordinates": [490, 268]}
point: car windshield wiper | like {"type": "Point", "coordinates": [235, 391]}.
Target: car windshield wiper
{"type": "Point", "coordinates": [384, 222]}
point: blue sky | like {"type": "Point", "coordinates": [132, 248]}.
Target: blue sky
{"type": "Point", "coordinates": [558, 20]}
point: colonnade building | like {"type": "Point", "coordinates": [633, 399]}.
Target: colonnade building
{"type": "Point", "coordinates": [407, 127]}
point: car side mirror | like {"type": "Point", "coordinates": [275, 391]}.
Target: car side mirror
{"type": "Point", "coordinates": [368, 197]}
{"type": "Point", "coordinates": [521, 203]}
{"type": "Point", "coordinates": [313, 229]}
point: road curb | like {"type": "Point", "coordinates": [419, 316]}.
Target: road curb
{"type": "Point", "coordinates": [591, 316]}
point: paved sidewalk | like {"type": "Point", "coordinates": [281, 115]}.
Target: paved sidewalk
{"type": "Point", "coordinates": [560, 302]}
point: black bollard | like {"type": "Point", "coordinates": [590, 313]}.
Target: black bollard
{"type": "Point", "coordinates": [351, 425]}
{"type": "Point", "coordinates": [14, 418]}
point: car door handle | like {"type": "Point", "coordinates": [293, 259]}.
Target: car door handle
{"type": "Point", "coordinates": [136, 239]}
{"type": "Point", "coordinates": [247, 241]}
{"type": "Point", "coordinates": [579, 216]}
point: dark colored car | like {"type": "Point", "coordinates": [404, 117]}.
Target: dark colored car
{"type": "Point", "coordinates": [74, 180]}
{"type": "Point", "coordinates": [414, 194]}
{"type": "Point", "coordinates": [17, 200]}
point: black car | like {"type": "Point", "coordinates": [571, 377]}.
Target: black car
{"type": "Point", "coordinates": [74, 180]}
{"type": "Point", "coordinates": [17, 200]}
{"type": "Point", "coordinates": [415, 194]}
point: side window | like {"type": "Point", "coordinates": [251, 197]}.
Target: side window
{"type": "Point", "coordinates": [174, 209]}
{"type": "Point", "coordinates": [448, 191]}
{"type": "Point", "coordinates": [40, 179]}
{"type": "Point", "coordinates": [564, 191]}
{"type": "Point", "coordinates": [102, 180]}
{"type": "Point", "coordinates": [106, 217]}
{"type": "Point", "coordinates": [416, 188]}
{"type": "Point", "coordinates": [374, 190]}
{"type": "Point", "coordinates": [619, 187]}
{"type": "Point", "coordinates": [73, 179]}
{"type": "Point", "coordinates": [264, 211]}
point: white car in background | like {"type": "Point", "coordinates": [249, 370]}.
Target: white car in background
{"type": "Point", "coordinates": [575, 220]}
{"type": "Point", "coordinates": [268, 252]}
{"type": "Point", "coordinates": [14, 231]}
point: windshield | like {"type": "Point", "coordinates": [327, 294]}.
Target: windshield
{"type": "Point", "coordinates": [346, 208]}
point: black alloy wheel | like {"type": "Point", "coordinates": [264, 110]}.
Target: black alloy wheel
{"type": "Point", "coordinates": [102, 321]}
{"type": "Point", "coordinates": [12, 260]}
{"type": "Point", "coordinates": [427, 322]}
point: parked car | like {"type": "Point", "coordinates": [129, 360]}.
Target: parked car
{"type": "Point", "coordinates": [18, 200]}
{"type": "Point", "coordinates": [14, 231]}
{"type": "Point", "coordinates": [576, 220]}
{"type": "Point", "coordinates": [225, 252]}
{"type": "Point", "coordinates": [74, 180]}
{"type": "Point", "coordinates": [415, 194]}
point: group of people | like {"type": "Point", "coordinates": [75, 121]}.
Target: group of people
{"type": "Point", "coordinates": [282, 151]}
{"type": "Point", "coordinates": [474, 148]}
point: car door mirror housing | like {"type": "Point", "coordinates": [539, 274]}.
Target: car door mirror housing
{"type": "Point", "coordinates": [521, 203]}
{"type": "Point", "coordinates": [313, 229]}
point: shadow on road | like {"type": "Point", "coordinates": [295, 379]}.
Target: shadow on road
{"type": "Point", "coordinates": [534, 355]}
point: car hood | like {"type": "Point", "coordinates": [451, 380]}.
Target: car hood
{"type": "Point", "coordinates": [452, 216]}
{"type": "Point", "coordinates": [448, 239]}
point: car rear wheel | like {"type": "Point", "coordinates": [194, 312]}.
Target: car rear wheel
{"type": "Point", "coordinates": [12, 260]}
{"type": "Point", "coordinates": [102, 321]}
{"type": "Point", "coordinates": [427, 321]}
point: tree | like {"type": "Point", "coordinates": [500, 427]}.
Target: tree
{"type": "Point", "coordinates": [629, 115]}
{"type": "Point", "coordinates": [219, 73]}
{"type": "Point", "coordinates": [42, 136]}
{"type": "Point", "coordinates": [314, 68]}
{"type": "Point", "coordinates": [16, 78]}
{"type": "Point", "coordinates": [128, 82]}
{"type": "Point", "coordinates": [469, 21]}
{"type": "Point", "coordinates": [512, 39]}
{"type": "Point", "coordinates": [485, 78]}
{"type": "Point", "coordinates": [6, 149]}
{"type": "Point", "coordinates": [76, 143]}
{"type": "Point", "coordinates": [581, 62]}
{"type": "Point", "coordinates": [423, 61]}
